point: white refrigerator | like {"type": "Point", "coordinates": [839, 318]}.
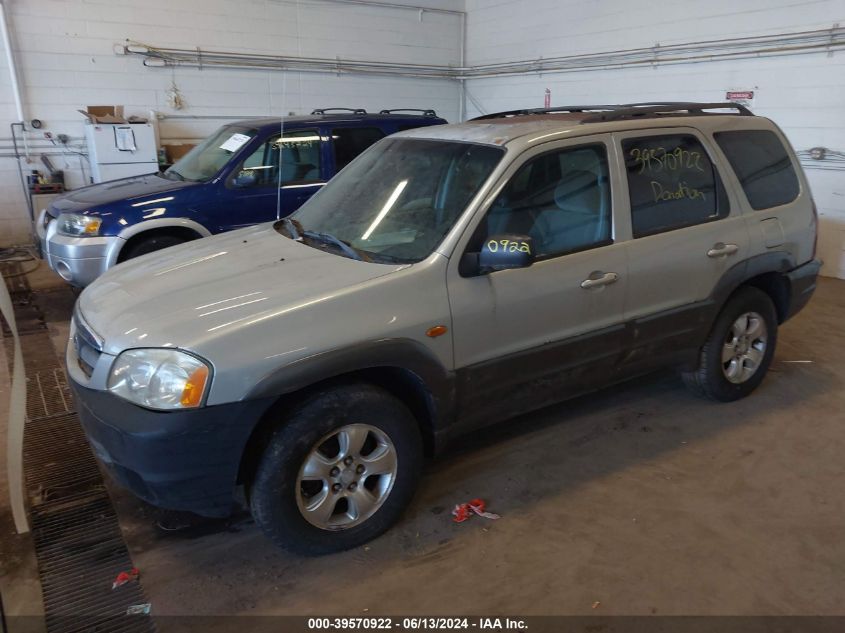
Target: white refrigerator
{"type": "Point", "coordinates": [121, 150]}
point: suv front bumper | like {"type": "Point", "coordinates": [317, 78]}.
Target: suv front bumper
{"type": "Point", "coordinates": [178, 460]}
{"type": "Point", "coordinates": [77, 260]}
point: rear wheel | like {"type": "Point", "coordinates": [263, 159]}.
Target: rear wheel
{"type": "Point", "coordinates": [739, 349]}
{"type": "Point", "coordinates": [150, 244]}
{"type": "Point", "coordinates": [338, 472]}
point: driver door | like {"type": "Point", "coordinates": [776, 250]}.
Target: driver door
{"type": "Point", "coordinates": [281, 170]}
{"type": "Point", "coordinates": [526, 337]}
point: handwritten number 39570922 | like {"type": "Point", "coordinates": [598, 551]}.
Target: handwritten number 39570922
{"type": "Point", "coordinates": [657, 159]}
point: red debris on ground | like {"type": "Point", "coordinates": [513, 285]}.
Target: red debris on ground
{"type": "Point", "coordinates": [464, 511]}
{"type": "Point", "coordinates": [125, 577]}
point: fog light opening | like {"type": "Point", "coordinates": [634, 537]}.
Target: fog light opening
{"type": "Point", "coordinates": [64, 271]}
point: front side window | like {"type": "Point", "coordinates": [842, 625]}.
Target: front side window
{"type": "Point", "coordinates": [762, 166]}
{"type": "Point", "coordinates": [560, 199]}
{"type": "Point", "coordinates": [293, 159]}
{"type": "Point", "coordinates": [350, 141]}
{"type": "Point", "coordinates": [399, 199]}
{"type": "Point", "coordinates": [206, 159]}
{"type": "Point", "coordinates": [672, 184]}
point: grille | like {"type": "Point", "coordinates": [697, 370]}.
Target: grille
{"type": "Point", "coordinates": [87, 344]}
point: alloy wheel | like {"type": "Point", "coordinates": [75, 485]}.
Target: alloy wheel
{"type": "Point", "coordinates": [744, 348]}
{"type": "Point", "coordinates": [346, 477]}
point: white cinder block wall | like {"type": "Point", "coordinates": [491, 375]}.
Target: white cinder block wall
{"type": "Point", "coordinates": [804, 94]}
{"type": "Point", "coordinates": [66, 61]}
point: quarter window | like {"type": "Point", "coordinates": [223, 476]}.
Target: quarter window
{"type": "Point", "coordinates": [292, 158]}
{"type": "Point", "coordinates": [351, 141]}
{"type": "Point", "coordinates": [762, 165]}
{"type": "Point", "coordinates": [671, 183]}
{"type": "Point", "coordinates": [560, 199]}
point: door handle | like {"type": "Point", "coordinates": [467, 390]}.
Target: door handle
{"type": "Point", "coordinates": [721, 249]}
{"type": "Point", "coordinates": [598, 279]}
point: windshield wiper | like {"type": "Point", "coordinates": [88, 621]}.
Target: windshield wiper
{"type": "Point", "coordinates": [331, 239]}
{"type": "Point", "coordinates": [293, 230]}
{"type": "Point", "coordinates": [175, 173]}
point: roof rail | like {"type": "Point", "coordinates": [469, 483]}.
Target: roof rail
{"type": "Point", "coordinates": [625, 111]}
{"type": "Point", "coordinates": [425, 112]}
{"type": "Point", "coordinates": [635, 110]}
{"type": "Point", "coordinates": [526, 111]}
{"type": "Point", "coordinates": [326, 110]}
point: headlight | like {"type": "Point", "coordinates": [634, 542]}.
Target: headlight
{"type": "Point", "coordinates": [79, 225]}
{"type": "Point", "coordinates": [159, 378]}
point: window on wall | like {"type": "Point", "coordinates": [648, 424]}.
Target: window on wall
{"type": "Point", "coordinates": [349, 142]}
{"type": "Point", "coordinates": [292, 158]}
{"type": "Point", "coordinates": [672, 184]}
{"type": "Point", "coordinates": [560, 199]}
{"type": "Point", "coordinates": [762, 165]}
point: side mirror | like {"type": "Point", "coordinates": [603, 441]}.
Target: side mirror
{"type": "Point", "coordinates": [246, 178]}
{"type": "Point", "coordinates": [506, 251]}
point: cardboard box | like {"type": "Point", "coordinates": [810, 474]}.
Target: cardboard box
{"type": "Point", "coordinates": [176, 151]}
{"type": "Point", "coordinates": [104, 114]}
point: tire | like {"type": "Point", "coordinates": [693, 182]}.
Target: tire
{"type": "Point", "coordinates": [730, 365]}
{"type": "Point", "coordinates": [150, 244]}
{"type": "Point", "coordinates": [291, 480]}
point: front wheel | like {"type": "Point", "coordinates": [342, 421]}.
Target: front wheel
{"type": "Point", "coordinates": [739, 349]}
{"type": "Point", "coordinates": [338, 472]}
{"type": "Point", "coordinates": [151, 244]}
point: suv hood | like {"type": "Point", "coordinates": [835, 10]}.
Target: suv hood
{"type": "Point", "coordinates": [185, 295]}
{"type": "Point", "coordinates": [126, 189]}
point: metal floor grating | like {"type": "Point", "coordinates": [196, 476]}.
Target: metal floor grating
{"type": "Point", "coordinates": [48, 394]}
{"type": "Point", "coordinates": [78, 544]}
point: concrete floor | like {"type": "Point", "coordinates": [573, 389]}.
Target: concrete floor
{"type": "Point", "coordinates": [642, 498]}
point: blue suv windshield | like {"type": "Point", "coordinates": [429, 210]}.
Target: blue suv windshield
{"type": "Point", "coordinates": [397, 201]}
{"type": "Point", "coordinates": [206, 159]}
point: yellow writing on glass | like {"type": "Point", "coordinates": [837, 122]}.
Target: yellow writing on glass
{"type": "Point", "coordinates": [657, 159]}
{"type": "Point", "coordinates": [508, 246]}
{"type": "Point", "coordinates": [682, 192]}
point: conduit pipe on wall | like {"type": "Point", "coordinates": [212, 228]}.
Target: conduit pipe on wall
{"type": "Point", "coordinates": [13, 71]}
{"type": "Point", "coordinates": [822, 40]}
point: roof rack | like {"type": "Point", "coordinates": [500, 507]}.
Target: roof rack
{"type": "Point", "coordinates": [326, 110]}
{"type": "Point", "coordinates": [425, 112]}
{"type": "Point", "coordinates": [635, 110]}
{"type": "Point", "coordinates": [527, 111]}
{"type": "Point", "coordinates": [627, 110]}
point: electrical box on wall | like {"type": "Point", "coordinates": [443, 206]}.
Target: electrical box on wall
{"type": "Point", "coordinates": [120, 150]}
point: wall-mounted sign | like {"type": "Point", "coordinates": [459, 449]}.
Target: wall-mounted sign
{"type": "Point", "coordinates": [742, 97]}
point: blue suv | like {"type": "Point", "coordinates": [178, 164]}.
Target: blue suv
{"type": "Point", "coordinates": [247, 172]}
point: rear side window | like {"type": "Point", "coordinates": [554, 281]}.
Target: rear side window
{"type": "Point", "coordinates": [672, 184]}
{"type": "Point", "coordinates": [762, 166]}
{"type": "Point", "coordinates": [351, 141]}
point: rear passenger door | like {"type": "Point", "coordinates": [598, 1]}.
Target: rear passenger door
{"type": "Point", "coordinates": [685, 234]}
{"type": "Point", "coordinates": [348, 142]}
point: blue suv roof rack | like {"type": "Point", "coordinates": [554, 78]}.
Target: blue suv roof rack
{"type": "Point", "coordinates": [424, 112]}
{"type": "Point", "coordinates": [326, 110]}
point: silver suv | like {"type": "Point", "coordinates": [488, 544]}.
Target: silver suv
{"type": "Point", "coordinates": [449, 278]}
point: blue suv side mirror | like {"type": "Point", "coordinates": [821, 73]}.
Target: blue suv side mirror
{"type": "Point", "coordinates": [246, 178]}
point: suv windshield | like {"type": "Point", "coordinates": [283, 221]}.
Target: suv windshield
{"type": "Point", "coordinates": [397, 201]}
{"type": "Point", "coordinates": [206, 159]}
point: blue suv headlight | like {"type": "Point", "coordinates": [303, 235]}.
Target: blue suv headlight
{"type": "Point", "coordinates": [78, 225]}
